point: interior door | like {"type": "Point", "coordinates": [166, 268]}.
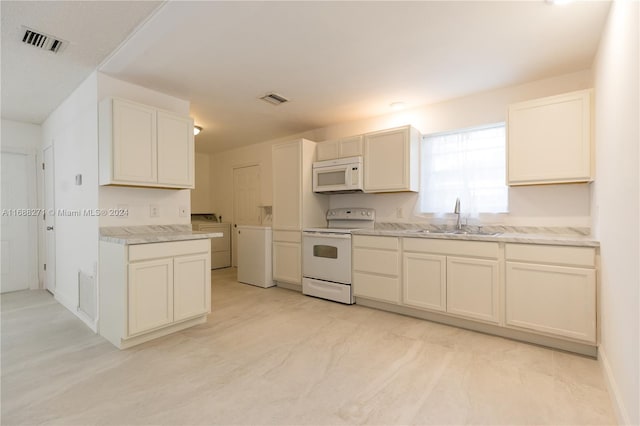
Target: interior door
{"type": "Point", "coordinates": [49, 222]}
{"type": "Point", "coordinates": [246, 201]}
{"type": "Point", "coordinates": [16, 253]}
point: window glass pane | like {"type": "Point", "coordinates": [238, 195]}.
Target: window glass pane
{"type": "Point", "coordinates": [469, 164]}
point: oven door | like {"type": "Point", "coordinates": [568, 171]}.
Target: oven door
{"type": "Point", "coordinates": [334, 178]}
{"type": "Point", "coordinates": [327, 256]}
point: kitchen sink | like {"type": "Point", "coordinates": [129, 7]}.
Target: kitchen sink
{"type": "Point", "coordinates": [482, 233]}
{"type": "Point", "coordinates": [427, 231]}
{"type": "Point", "coordinates": [451, 232]}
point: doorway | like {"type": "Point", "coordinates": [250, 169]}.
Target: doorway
{"type": "Point", "coordinates": [19, 222]}
{"type": "Point", "coordinates": [246, 201]}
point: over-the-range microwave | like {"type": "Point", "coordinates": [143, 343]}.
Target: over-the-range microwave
{"type": "Point", "coordinates": [338, 176]}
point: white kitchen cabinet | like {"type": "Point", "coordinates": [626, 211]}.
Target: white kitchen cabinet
{"type": "Point", "coordinates": [550, 140]}
{"type": "Point", "coordinates": [295, 206]}
{"type": "Point", "coordinates": [458, 277]}
{"type": "Point", "coordinates": [191, 287]}
{"type": "Point", "coordinates": [376, 268]}
{"type": "Point", "coordinates": [150, 295]}
{"type": "Point", "coordinates": [392, 160]}
{"type": "Point", "coordinates": [473, 288]}
{"type": "Point", "coordinates": [424, 278]}
{"type": "Point", "coordinates": [140, 145]}
{"type": "Point", "coordinates": [150, 290]}
{"type": "Point", "coordinates": [552, 290]}
{"type": "Point", "coordinates": [340, 148]}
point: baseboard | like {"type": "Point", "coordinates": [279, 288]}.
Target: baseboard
{"type": "Point", "coordinates": [289, 286]}
{"type": "Point", "coordinates": [619, 408]}
{"type": "Point", "coordinates": [72, 306]}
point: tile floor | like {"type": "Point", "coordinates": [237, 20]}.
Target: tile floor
{"type": "Point", "coordinates": [275, 357]}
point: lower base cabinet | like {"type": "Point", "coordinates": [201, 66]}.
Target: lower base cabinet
{"type": "Point", "coordinates": [425, 281]}
{"type": "Point", "coordinates": [376, 268]}
{"type": "Point", "coordinates": [473, 288]}
{"type": "Point", "coordinates": [150, 290]}
{"type": "Point", "coordinates": [554, 300]}
{"type": "Point", "coordinates": [287, 257]}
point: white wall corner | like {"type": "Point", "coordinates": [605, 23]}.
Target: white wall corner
{"type": "Point", "coordinates": [622, 415]}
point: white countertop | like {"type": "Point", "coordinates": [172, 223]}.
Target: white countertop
{"type": "Point", "coordinates": [504, 237]}
{"type": "Point", "coordinates": [153, 234]}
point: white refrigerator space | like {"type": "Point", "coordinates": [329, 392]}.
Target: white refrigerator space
{"type": "Point", "coordinates": [254, 255]}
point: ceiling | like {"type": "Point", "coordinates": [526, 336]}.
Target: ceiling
{"type": "Point", "coordinates": [34, 81]}
{"type": "Point", "coordinates": [336, 61]}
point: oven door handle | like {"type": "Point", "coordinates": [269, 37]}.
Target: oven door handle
{"type": "Point", "coordinates": [327, 235]}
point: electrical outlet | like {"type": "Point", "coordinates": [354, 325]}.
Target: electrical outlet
{"type": "Point", "coordinates": [183, 211]}
{"type": "Point", "coordinates": [399, 213]}
{"type": "Point", "coordinates": [154, 210]}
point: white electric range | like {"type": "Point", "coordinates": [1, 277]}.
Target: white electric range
{"type": "Point", "coordinates": [326, 254]}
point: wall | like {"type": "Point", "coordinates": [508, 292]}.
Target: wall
{"type": "Point", "coordinates": [553, 205]}
{"type": "Point", "coordinates": [201, 194]}
{"type": "Point", "coordinates": [25, 138]}
{"type": "Point", "coordinates": [616, 206]}
{"type": "Point", "coordinates": [72, 129]}
{"type": "Point", "coordinates": [139, 200]}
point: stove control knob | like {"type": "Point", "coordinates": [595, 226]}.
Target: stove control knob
{"type": "Point", "coordinates": [368, 213]}
{"type": "Point", "coordinates": [362, 213]}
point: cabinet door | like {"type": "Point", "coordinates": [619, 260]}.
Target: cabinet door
{"type": "Point", "coordinates": [134, 143]}
{"type": "Point", "coordinates": [287, 262]}
{"type": "Point", "coordinates": [552, 299]}
{"type": "Point", "coordinates": [425, 281]}
{"type": "Point", "coordinates": [191, 286]}
{"type": "Point", "coordinates": [386, 160]}
{"type": "Point", "coordinates": [472, 288]}
{"type": "Point", "coordinates": [327, 150]}
{"type": "Point", "coordinates": [549, 140]}
{"type": "Point", "coordinates": [287, 186]}
{"type": "Point", "coordinates": [150, 295]}
{"type": "Point", "coordinates": [175, 150]}
{"type": "Point", "coordinates": [350, 147]}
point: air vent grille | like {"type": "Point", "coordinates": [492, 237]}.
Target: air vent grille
{"type": "Point", "coordinates": [43, 41]}
{"type": "Point", "coordinates": [274, 98]}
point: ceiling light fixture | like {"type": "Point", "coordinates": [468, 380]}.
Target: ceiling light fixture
{"type": "Point", "coordinates": [196, 130]}
{"type": "Point", "coordinates": [397, 106]}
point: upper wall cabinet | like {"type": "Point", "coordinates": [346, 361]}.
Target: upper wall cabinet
{"type": "Point", "coordinates": [392, 160]}
{"type": "Point", "coordinates": [339, 148]}
{"type": "Point", "coordinates": [143, 146]}
{"type": "Point", "coordinates": [550, 141]}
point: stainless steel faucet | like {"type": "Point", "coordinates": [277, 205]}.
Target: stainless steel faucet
{"type": "Point", "coordinates": [456, 210]}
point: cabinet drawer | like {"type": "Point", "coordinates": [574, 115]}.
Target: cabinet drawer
{"type": "Point", "coordinates": [376, 261]}
{"type": "Point", "coordinates": [457, 248]}
{"type": "Point", "coordinates": [287, 236]}
{"type": "Point", "coordinates": [556, 255]}
{"type": "Point", "coordinates": [170, 249]}
{"type": "Point", "coordinates": [376, 287]}
{"type": "Point", "coordinates": [388, 243]}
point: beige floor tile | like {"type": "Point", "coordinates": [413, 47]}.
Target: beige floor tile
{"type": "Point", "coordinates": [272, 356]}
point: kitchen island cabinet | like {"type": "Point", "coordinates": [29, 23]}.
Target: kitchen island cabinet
{"type": "Point", "coordinates": [150, 290]}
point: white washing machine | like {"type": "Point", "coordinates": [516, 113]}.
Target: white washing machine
{"type": "Point", "coordinates": [254, 255]}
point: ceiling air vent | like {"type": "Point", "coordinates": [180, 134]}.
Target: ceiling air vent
{"type": "Point", "coordinates": [274, 98]}
{"type": "Point", "coordinates": [43, 41]}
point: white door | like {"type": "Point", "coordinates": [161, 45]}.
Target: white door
{"type": "Point", "coordinates": [246, 201]}
{"type": "Point", "coordinates": [49, 222]}
{"type": "Point", "coordinates": [17, 257]}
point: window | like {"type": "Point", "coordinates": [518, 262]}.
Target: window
{"type": "Point", "coordinates": [469, 164]}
